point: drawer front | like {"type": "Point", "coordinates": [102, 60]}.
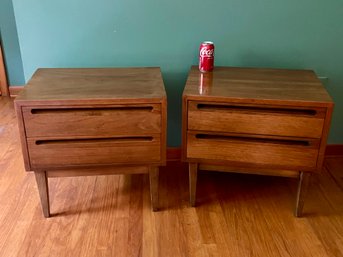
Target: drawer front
{"type": "Point", "coordinates": [54, 153]}
{"type": "Point", "coordinates": [271, 152]}
{"type": "Point", "coordinates": [256, 119]}
{"type": "Point", "coordinates": [118, 120]}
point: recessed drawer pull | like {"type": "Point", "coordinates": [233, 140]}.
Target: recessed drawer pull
{"type": "Point", "coordinates": [254, 139]}
{"type": "Point", "coordinates": [91, 110]}
{"type": "Point", "coordinates": [94, 140]}
{"type": "Point", "coordinates": [257, 109]}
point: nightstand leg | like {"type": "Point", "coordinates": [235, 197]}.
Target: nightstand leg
{"type": "Point", "coordinates": [42, 184]}
{"type": "Point", "coordinates": [304, 179]}
{"type": "Point", "coordinates": [193, 174]}
{"type": "Point", "coordinates": [153, 178]}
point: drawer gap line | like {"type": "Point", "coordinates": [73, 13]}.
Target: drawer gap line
{"type": "Point", "coordinates": [91, 110]}
{"type": "Point", "coordinates": [250, 139]}
{"type": "Point", "coordinates": [94, 140]}
{"type": "Point", "coordinates": [214, 107]}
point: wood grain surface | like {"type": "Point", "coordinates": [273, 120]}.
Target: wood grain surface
{"type": "Point", "coordinates": [246, 151]}
{"type": "Point", "coordinates": [93, 86]}
{"type": "Point", "coordinates": [250, 119]}
{"type": "Point", "coordinates": [89, 121]}
{"type": "Point", "coordinates": [257, 86]}
{"type": "Point", "coordinates": [4, 91]}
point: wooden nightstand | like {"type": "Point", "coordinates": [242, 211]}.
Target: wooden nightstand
{"type": "Point", "coordinates": [76, 122]}
{"type": "Point", "coordinates": [260, 121]}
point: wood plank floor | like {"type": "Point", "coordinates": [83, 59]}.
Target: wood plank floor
{"type": "Point", "coordinates": [237, 215]}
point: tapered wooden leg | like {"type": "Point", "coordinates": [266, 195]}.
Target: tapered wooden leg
{"type": "Point", "coordinates": [302, 190]}
{"type": "Point", "coordinates": [153, 178]}
{"type": "Point", "coordinates": [42, 184]}
{"type": "Point", "coordinates": [193, 174]}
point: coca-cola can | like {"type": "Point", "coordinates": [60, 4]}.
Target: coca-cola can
{"type": "Point", "coordinates": [206, 56]}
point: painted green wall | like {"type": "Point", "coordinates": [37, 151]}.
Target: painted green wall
{"type": "Point", "coordinates": [269, 33]}
{"type": "Point", "coordinates": [9, 42]}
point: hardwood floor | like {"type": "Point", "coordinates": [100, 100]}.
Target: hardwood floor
{"type": "Point", "coordinates": [236, 214]}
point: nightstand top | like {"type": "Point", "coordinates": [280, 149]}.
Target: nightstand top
{"type": "Point", "coordinates": [257, 85]}
{"type": "Point", "coordinates": [93, 85]}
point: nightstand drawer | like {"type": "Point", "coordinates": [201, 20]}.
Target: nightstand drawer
{"type": "Point", "coordinates": [260, 120]}
{"type": "Point", "coordinates": [273, 152]}
{"type": "Point", "coordinates": [96, 121]}
{"type": "Point", "coordinates": [93, 151]}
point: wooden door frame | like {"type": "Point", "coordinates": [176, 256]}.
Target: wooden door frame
{"type": "Point", "coordinates": [3, 78]}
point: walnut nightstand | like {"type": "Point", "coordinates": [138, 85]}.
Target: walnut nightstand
{"type": "Point", "coordinates": [260, 121]}
{"type": "Point", "coordinates": [76, 122]}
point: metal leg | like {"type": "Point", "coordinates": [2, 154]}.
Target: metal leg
{"type": "Point", "coordinates": [303, 184]}
{"type": "Point", "coordinates": [193, 174]}
{"type": "Point", "coordinates": [153, 178]}
{"type": "Point", "coordinates": [42, 184]}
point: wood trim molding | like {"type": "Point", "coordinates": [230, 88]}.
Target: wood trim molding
{"type": "Point", "coordinates": [334, 150]}
{"type": "Point", "coordinates": [3, 78]}
{"type": "Point", "coordinates": [15, 90]}
{"type": "Point", "coordinates": [174, 154]}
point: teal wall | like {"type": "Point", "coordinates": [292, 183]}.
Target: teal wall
{"type": "Point", "coordinates": [9, 42]}
{"type": "Point", "coordinates": [269, 33]}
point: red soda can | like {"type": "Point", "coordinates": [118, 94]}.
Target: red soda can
{"type": "Point", "coordinates": [206, 56]}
